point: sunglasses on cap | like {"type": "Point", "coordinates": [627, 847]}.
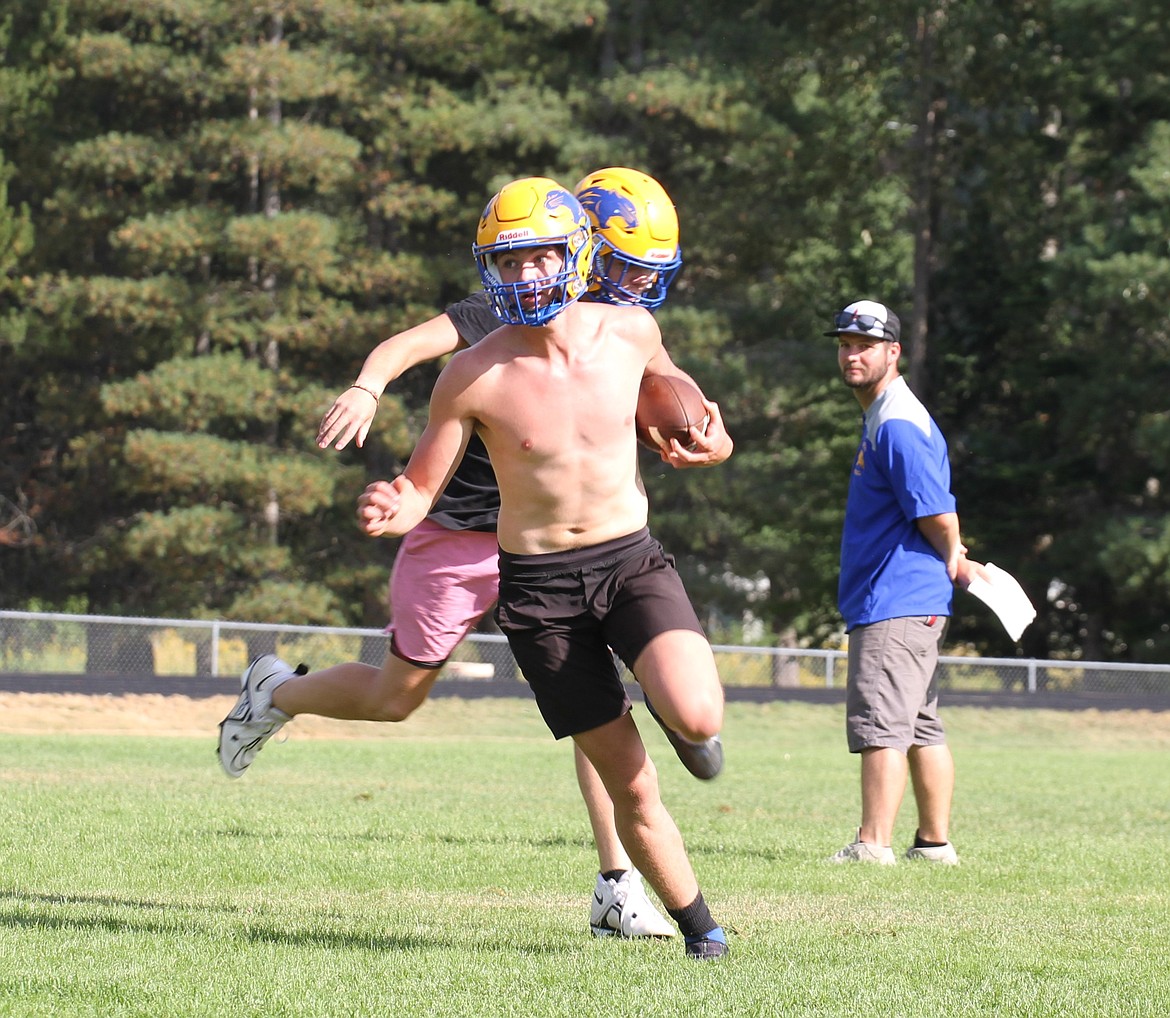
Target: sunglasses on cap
{"type": "Point", "coordinates": [851, 319]}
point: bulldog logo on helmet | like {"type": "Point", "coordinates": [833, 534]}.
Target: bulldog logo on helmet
{"type": "Point", "coordinates": [607, 205]}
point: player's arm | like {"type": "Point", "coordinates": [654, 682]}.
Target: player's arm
{"type": "Point", "coordinates": [711, 446]}
{"type": "Point", "coordinates": [353, 411]}
{"type": "Point", "coordinates": [393, 508]}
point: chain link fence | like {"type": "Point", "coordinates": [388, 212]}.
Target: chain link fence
{"type": "Point", "coordinates": [42, 651]}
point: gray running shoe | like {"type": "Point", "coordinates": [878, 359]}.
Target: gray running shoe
{"type": "Point", "coordinates": [622, 909]}
{"type": "Point", "coordinates": [863, 851]}
{"type": "Point", "coordinates": [253, 720]}
{"type": "Point", "coordinates": [944, 854]}
{"type": "Point", "coordinates": [703, 759]}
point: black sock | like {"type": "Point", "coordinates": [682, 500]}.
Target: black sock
{"type": "Point", "coordinates": [695, 919]}
{"type": "Point", "coordinates": [613, 874]}
{"type": "Point", "coordinates": [921, 842]}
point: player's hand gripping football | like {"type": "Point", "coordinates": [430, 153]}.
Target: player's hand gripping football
{"type": "Point", "coordinates": [707, 448]}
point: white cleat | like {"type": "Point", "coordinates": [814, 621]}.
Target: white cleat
{"type": "Point", "coordinates": [622, 909]}
{"type": "Point", "coordinates": [253, 720]}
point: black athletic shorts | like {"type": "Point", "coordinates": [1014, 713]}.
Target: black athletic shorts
{"type": "Point", "coordinates": [563, 611]}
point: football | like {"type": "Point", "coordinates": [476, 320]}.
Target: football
{"type": "Point", "coordinates": [667, 407]}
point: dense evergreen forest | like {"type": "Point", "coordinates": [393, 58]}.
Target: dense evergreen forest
{"type": "Point", "coordinates": [211, 210]}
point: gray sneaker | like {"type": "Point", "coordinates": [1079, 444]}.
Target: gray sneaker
{"type": "Point", "coordinates": [253, 720]}
{"type": "Point", "coordinates": [622, 909]}
{"type": "Point", "coordinates": [862, 851]}
{"type": "Point", "coordinates": [703, 759]}
{"type": "Point", "coordinates": [944, 854]}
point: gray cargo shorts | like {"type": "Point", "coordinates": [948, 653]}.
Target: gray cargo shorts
{"type": "Point", "coordinates": [892, 697]}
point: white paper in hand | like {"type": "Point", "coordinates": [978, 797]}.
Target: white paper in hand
{"type": "Point", "coordinates": [1002, 593]}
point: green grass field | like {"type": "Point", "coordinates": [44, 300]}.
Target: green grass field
{"type": "Point", "coordinates": [443, 867]}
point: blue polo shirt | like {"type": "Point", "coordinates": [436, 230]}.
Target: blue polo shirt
{"type": "Point", "coordinates": [902, 472]}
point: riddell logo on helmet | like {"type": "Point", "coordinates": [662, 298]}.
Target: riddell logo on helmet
{"type": "Point", "coordinates": [523, 233]}
{"type": "Point", "coordinates": [659, 254]}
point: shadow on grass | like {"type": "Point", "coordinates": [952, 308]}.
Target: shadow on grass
{"type": "Point", "coordinates": [134, 917]}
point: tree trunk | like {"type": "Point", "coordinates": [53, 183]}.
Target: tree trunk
{"type": "Point", "coordinates": [930, 109]}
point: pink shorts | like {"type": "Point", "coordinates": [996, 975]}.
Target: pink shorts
{"type": "Point", "coordinates": [443, 582]}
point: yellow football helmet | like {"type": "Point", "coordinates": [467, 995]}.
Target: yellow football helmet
{"type": "Point", "coordinates": [534, 212]}
{"type": "Point", "coordinates": [637, 230]}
